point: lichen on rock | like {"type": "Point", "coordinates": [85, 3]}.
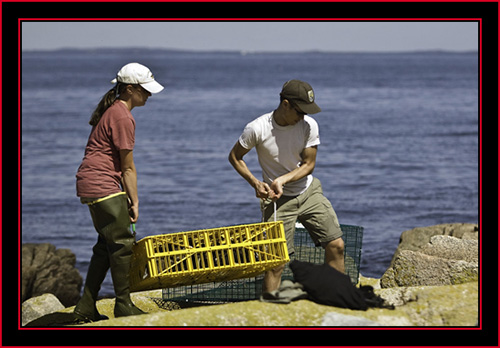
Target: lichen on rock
{"type": "Point", "coordinates": [436, 255]}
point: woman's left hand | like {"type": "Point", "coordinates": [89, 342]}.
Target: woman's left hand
{"type": "Point", "coordinates": [133, 211]}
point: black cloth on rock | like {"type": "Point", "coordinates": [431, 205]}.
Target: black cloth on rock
{"type": "Point", "coordinates": [325, 285]}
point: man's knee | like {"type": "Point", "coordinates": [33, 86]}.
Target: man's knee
{"type": "Point", "coordinates": [334, 254]}
{"type": "Point", "coordinates": [335, 246]}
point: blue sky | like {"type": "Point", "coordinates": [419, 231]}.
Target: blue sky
{"type": "Point", "coordinates": [254, 36]}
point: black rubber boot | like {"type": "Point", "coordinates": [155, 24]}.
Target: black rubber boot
{"type": "Point", "coordinates": [85, 309]}
{"type": "Point", "coordinates": [123, 304]}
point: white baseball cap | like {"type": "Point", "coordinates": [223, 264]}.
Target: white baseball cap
{"type": "Point", "coordinates": [138, 74]}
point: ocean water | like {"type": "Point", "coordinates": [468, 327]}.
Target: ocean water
{"type": "Point", "coordinates": [399, 140]}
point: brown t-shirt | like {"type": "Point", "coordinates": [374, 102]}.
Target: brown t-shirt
{"type": "Point", "coordinates": [99, 174]}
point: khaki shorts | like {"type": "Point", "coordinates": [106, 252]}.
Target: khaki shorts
{"type": "Point", "coordinates": [312, 209]}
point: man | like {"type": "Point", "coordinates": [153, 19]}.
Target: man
{"type": "Point", "coordinates": [287, 141]}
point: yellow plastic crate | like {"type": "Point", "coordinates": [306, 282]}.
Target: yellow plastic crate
{"type": "Point", "coordinates": [211, 255]}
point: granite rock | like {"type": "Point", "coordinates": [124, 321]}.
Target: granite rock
{"type": "Point", "coordinates": [46, 269]}
{"type": "Point", "coordinates": [39, 306]}
{"type": "Point", "coordinates": [437, 255]}
{"type": "Point", "coordinates": [447, 305]}
{"type": "Point", "coordinates": [417, 238]}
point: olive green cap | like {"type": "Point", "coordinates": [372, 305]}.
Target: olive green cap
{"type": "Point", "coordinates": [301, 94]}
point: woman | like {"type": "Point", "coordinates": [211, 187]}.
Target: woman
{"type": "Point", "coordinates": [107, 183]}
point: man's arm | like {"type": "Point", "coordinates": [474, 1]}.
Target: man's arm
{"type": "Point", "coordinates": [262, 190]}
{"type": "Point", "coordinates": [306, 167]}
{"type": "Point", "coordinates": [129, 180]}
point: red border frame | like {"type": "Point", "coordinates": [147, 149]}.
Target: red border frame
{"type": "Point", "coordinates": [479, 20]}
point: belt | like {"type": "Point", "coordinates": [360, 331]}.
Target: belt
{"type": "Point", "coordinates": [92, 201]}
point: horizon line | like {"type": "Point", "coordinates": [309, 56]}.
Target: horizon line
{"type": "Point", "coordinates": [244, 51]}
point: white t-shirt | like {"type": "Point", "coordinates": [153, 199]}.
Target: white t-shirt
{"type": "Point", "coordinates": [279, 148]}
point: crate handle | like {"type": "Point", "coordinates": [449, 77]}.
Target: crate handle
{"type": "Point", "coordinates": [275, 218]}
{"type": "Point", "coordinates": [262, 210]}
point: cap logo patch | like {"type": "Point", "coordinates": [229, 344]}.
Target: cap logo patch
{"type": "Point", "coordinates": [310, 94]}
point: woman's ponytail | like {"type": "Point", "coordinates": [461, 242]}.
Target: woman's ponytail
{"type": "Point", "coordinates": [103, 105]}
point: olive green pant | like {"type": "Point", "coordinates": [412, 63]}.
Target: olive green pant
{"type": "Point", "coordinates": [112, 250]}
{"type": "Point", "coordinates": [112, 223]}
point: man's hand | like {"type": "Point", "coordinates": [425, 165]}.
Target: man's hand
{"type": "Point", "coordinates": [276, 189]}
{"type": "Point", "coordinates": [262, 190]}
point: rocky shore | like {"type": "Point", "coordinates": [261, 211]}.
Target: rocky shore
{"type": "Point", "coordinates": [432, 281]}
{"type": "Point", "coordinates": [46, 269]}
